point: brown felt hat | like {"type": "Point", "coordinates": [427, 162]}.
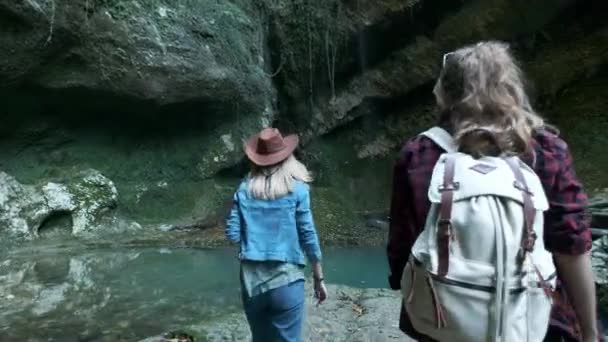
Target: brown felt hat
{"type": "Point", "coordinates": [269, 147]}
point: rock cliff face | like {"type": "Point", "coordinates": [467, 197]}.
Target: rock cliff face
{"type": "Point", "coordinates": [159, 95]}
{"type": "Point", "coordinates": [208, 57]}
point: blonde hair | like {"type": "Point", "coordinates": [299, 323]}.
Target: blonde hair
{"type": "Point", "coordinates": [278, 180]}
{"type": "Point", "coordinates": [482, 88]}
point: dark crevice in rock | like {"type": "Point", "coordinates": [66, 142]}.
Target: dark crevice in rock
{"type": "Point", "coordinates": [71, 108]}
{"type": "Point", "coordinates": [59, 222]}
{"type": "Point", "coordinates": [589, 15]}
{"type": "Point", "coordinates": [13, 23]}
{"type": "Point", "coordinates": [98, 112]}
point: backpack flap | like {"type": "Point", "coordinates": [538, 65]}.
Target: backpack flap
{"type": "Point", "coordinates": [442, 138]}
{"type": "Point", "coordinates": [486, 176]}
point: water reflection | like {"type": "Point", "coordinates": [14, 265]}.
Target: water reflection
{"type": "Point", "coordinates": [129, 294]}
{"type": "Point", "coordinates": [113, 295]}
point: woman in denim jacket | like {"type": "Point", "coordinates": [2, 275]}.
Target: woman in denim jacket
{"type": "Point", "coordinates": [272, 222]}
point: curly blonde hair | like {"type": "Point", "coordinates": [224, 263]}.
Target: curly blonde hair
{"type": "Point", "coordinates": [481, 87]}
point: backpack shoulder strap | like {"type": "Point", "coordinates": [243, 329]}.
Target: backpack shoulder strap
{"type": "Point", "coordinates": [442, 138]}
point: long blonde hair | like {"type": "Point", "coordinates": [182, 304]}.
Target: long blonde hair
{"type": "Point", "coordinates": [275, 181]}
{"type": "Point", "coordinates": [482, 89]}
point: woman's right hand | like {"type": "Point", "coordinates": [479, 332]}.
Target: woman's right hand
{"type": "Point", "coordinates": [319, 285]}
{"type": "Point", "coordinates": [320, 291]}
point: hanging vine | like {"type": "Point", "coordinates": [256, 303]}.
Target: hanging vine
{"type": "Point", "coordinates": [51, 23]}
{"type": "Point", "coordinates": [310, 55]}
{"type": "Point", "coordinates": [332, 39]}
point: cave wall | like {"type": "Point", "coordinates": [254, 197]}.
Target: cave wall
{"type": "Point", "coordinates": [159, 95]}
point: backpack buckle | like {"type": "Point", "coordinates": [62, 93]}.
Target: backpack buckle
{"type": "Point", "coordinates": [449, 187]}
{"type": "Point", "coordinates": [444, 222]}
{"type": "Point", "coordinates": [529, 241]}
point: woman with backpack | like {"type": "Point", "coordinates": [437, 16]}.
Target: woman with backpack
{"type": "Point", "coordinates": [271, 220]}
{"type": "Point", "coordinates": [485, 112]}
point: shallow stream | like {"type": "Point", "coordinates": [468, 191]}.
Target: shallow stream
{"type": "Point", "coordinates": [127, 294]}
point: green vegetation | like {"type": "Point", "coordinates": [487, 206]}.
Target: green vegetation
{"type": "Point", "coordinates": [310, 37]}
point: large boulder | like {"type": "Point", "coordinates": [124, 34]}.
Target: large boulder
{"type": "Point", "coordinates": [207, 53]}
{"type": "Point", "coordinates": [177, 52]}
{"type": "Point", "coordinates": [26, 209]}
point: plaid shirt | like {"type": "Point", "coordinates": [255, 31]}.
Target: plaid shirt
{"type": "Point", "coordinates": [566, 222]}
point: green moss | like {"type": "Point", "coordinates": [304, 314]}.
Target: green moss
{"type": "Point", "coordinates": [224, 145]}
{"type": "Point", "coordinates": [575, 55]}
{"type": "Point", "coordinates": [346, 188]}
{"type": "Point", "coordinates": [92, 190]}
{"type": "Point", "coordinates": [580, 113]}
{"type": "Point", "coordinates": [178, 202]}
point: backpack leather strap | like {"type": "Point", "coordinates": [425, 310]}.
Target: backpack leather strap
{"type": "Point", "coordinates": [529, 238]}
{"type": "Point", "coordinates": [444, 225]}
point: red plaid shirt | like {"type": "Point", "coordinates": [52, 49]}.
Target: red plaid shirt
{"type": "Point", "coordinates": [566, 222]}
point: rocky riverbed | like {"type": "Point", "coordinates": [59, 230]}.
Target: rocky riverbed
{"type": "Point", "coordinates": [349, 315]}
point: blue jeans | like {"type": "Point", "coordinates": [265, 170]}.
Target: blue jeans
{"type": "Point", "coordinates": [276, 315]}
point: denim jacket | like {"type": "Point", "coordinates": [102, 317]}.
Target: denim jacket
{"type": "Point", "coordinates": [279, 230]}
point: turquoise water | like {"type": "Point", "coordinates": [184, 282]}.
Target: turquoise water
{"type": "Point", "coordinates": [129, 294]}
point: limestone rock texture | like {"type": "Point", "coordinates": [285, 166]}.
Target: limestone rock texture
{"type": "Point", "coordinates": [159, 95]}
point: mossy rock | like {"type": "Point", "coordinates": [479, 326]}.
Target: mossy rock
{"type": "Point", "coordinates": [87, 196]}
{"type": "Point", "coordinates": [202, 61]}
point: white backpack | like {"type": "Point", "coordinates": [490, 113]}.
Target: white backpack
{"type": "Point", "coordinates": [479, 271]}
